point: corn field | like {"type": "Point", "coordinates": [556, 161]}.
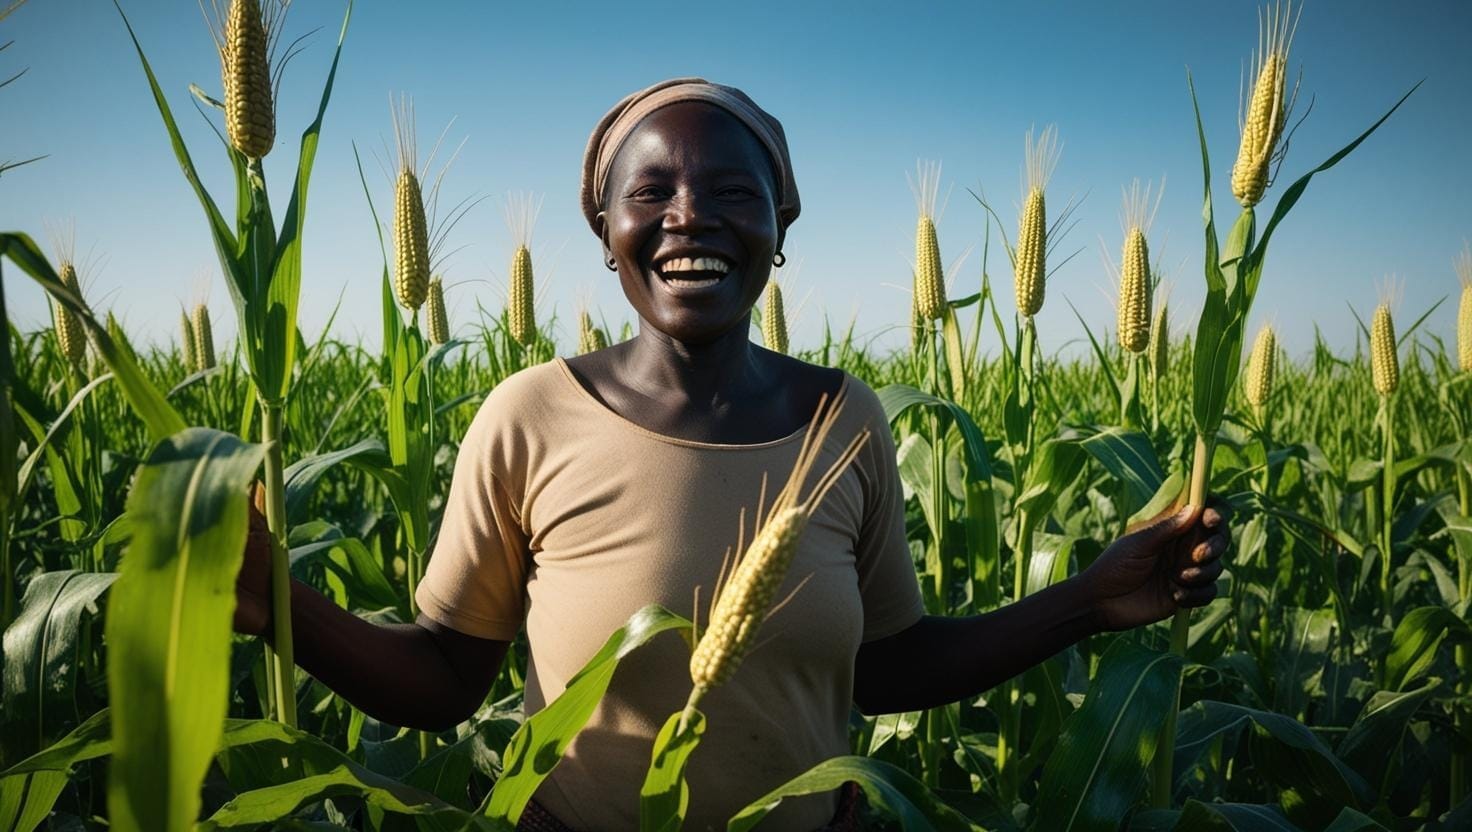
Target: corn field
{"type": "Point", "coordinates": [1328, 686]}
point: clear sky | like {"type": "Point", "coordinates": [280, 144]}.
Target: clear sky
{"type": "Point", "coordinates": [864, 91]}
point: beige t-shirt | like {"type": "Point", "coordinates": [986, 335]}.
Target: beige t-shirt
{"type": "Point", "coordinates": [567, 517]}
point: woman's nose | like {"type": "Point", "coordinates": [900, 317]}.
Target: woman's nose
{"type": "Point", "coordinates": [688, 213]}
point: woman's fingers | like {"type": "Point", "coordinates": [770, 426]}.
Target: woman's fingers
{"type": "Point", "coordinates": [1194, 597]}
{"type": "Point", "coordinates": [1209, 549]}
{"type": "Point", "coordinates": [1195, 576]}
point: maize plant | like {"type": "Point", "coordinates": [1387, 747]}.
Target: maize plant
{"type": "Point", "coordinates": [1327, 688]}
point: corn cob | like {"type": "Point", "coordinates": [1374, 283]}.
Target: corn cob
{"type": "Point", "coordinates": [774, 320]}
{"type": "Point", "coordinates": [1267, 110]}
{"type": "Point", "coordinates": [1384, 364]}
{"type": "Point", "coordinates": [1160, 342]}
{"type": "Point", "coordinates": [191, 360]}
{"type": "Point", "coordinates": [590, 337]}
{"type": "Point", "coordinates": [743, 601]}
{"type": "Point", "coordinates": [204, 339]}
{"type": "Point", "coordinates": [411, 242]}
{"type": "Point", "coordinates": [1031, 269]}
{"type": "Point", "coordinates": [437, 317]}
{"type": "Point", "coordinates": [519, 305]}
{"type": "Point", "coordinates": [1134, 293]}
{"type": "Point", "coordinates": [1260, 366]}
{"type": "Point", "coordinates": [930, 283]}
{"type": "Point", "coordinates": [929, 278]}
{"type": "Point", "coordinates": [1030, 262]}
{"type": "Point", "coordinates": [245, 69]}
{"type": "Point", "coordinates": [1464, 311]}
{"type": "Point", "coordinates": [71, 337]}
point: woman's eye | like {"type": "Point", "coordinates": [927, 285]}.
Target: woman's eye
{"type": "Point", "coordinates": [734, 192]}
{"type": "Point", "coordinates": [647, 192]}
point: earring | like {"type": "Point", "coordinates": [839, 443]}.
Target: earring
{"type": "Point", "coordinates": [611, 264]}
{"type": "Point", "coordinates": [779, 260]}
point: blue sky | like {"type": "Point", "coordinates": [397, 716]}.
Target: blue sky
{"type": "Point", "coordinates": [864, 91]}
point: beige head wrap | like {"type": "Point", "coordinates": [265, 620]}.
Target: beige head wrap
{"type": "Point", "coordinates": [619, 122]}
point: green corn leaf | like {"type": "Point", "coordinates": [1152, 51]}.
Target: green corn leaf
{"type": "Point", "coordinates": [168, 625]}
{"type": "Point", "coordinates": [1128, 456]}
{"type": "Point", "coordinates": [157, 414]}
{"type": "Point", "coordinates": [1098, 769]}
{"type": "Point", "coordinates": [1056, 465]}
{"type": "Point", "coordinates": [1233, 817]}
{"type": "Point", "coordinates": [377, 792]}
{"type": "Point", "coordinates": [1372, 745]}
{"type": "Point", "coordinates": [30, 788]}
{"type": "Point", "coordinates": [41, 658]}
{"type": "Point", "coordinates": [301, 477]}
{"type": "Point", "coordinates": [888, 789]}
{"type": "Point", "coordinates": [1352, 820]}
{"type": "Point", "coordinates": [538, 746]}
{"type": "Point", "coordinates": [1295, 191]}
{"type": "Point", "coordinates": [283, 296]}
{"type": "Point", "coordinates": [1299, 661]}
{"type": "Point", "coordinates": [224, 238]}
{"type": "Point", "coordinates": [665, 795]}
{"type": "Point", "coordinates": [1284, 747]}
{"type": "Point", "coordinates": [1417, 637]}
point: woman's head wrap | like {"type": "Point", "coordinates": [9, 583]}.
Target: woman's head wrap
{"type": "Point", "coordinates": [619, 122]}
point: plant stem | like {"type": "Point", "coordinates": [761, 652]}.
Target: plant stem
{"type": "Point", "coordinates": [6, 573]}
{"type": "Point", "coordinates": [932, 756]}
{"type": "Point", "coordinates": [282, 656]}
{"type": "Point", "coordinates": [1387, 505]}
{"type": "Point", "coordinates": [1460, 763]}
{"type": "Point", "coordinates": [1163, 768]}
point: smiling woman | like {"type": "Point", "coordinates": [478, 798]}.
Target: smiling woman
{"type": "Point", "coordinates": [589, 487]}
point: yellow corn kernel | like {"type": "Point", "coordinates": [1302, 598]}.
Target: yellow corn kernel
{"type": "Point", "coordinates": [411, 242]}
{"type": "Point", "coordinates": [1267, 109]}
{"type": "Point", "coordinates": [1031, 271]}
{"type": "Point", "coordinates": [774, 320]}
{"type": "Point", "coordinates": [204, 339]}
{"type": "Point", "coordinates": [437, 316]}
{"type": "Point", "coordinates": [1134, 293]}
{"type": "Point", "coordinates": [245, 69]}
{"type": "Point", "coordinates": [71, 337]}
{"type": "Point", "coordinates": [1384, 363]}
{"type": "Point", "coordinates": [1260, 367]}
{"type": "Point", "coordinates": [930, 283]}
{"type": "Point", "coordinates": [519, 305]}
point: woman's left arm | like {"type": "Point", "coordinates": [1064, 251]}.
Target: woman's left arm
{"type": "Point", "coordinates": [1140, 578]}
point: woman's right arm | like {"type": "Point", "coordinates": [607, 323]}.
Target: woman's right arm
{"type": "Point", "coordinates": [421, 675]}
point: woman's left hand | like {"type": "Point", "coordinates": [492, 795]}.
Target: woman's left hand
{"type": "Point", "coordinates": [1168, 565]}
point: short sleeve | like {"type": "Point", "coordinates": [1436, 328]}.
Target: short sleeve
{"type": "Point", "coordinates": [476, 579]}
{"type": "Point", "coordinates": [888, 586]}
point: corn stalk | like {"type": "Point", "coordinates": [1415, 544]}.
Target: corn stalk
{"type": "Point", "coordinates": [263, 273]}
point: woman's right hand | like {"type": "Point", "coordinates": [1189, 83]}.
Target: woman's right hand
{"type": "Point", "coordinates": [253, 584]}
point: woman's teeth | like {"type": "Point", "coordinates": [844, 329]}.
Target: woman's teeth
{"type": "Point", "coordinates": [694, 265]}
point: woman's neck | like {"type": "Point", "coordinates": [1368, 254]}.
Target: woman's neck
{"type": "Point", "coordinates": [710, 375]}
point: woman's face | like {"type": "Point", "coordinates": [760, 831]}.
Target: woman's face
{"type": "Point", "coordinates": [691, 220]}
